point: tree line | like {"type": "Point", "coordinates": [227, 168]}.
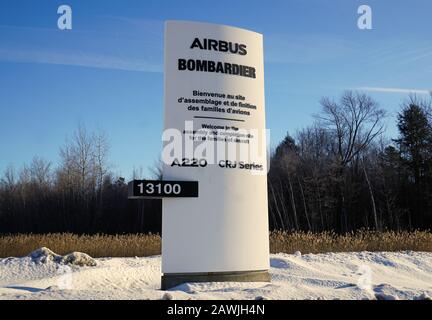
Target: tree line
{"type": "Point", "coordinates": [81, 195]}
{"type": "Point", "coordinates": [341, 173]}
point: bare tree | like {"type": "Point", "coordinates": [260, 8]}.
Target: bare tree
{"type": "Point", "coordinates": [371, 193]}
{"type": "Point", "coordinates": [84, 157]}
{"type": "Point", "coordinates": [157, 170]}
{"type": "Point", "coordinates": [9, 178]}
{"type": "Point", "coordinates": [101, 150]}
{"type": "Point", "coordinates": [40, 171]}
{"type": "Point", "coordinates": [84, 160]}
{"type": "Point", "coordinates": [355, 122]}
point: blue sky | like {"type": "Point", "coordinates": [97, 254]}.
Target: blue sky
{"type": "Point", "coordinates": [106, 73]}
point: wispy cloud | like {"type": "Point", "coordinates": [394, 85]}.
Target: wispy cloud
{"type": "Point", "coordinates": [304, 49]}
{"type": "Point", "coordinates": [102, 49]}
{"type": "Point", "coordinates": [394, 90]}
{"type": "Point", "coordinates": [400, 52]}
{"type": "Point", "coordinates": [142, 26]}
{"type": "Point", "coordinates": [80, 59]}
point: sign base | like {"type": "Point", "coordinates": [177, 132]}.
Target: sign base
{"type": "Point", "coordinates": [171, 280]}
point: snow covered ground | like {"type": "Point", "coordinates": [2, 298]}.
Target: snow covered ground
{"type": "Point", "coordinates": [363, 275]}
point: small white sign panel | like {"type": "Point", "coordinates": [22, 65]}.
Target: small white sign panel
{"type": "Point", "coordinates": [214, 95]}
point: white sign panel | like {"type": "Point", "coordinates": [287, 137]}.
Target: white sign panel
{"type": "Point", "coordinates": [215, 134]}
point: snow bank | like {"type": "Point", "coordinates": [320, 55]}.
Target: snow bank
{"type": "Point", "coordinates": [45, 255]}
{"type": "Point", "coordinates": [362, 275]}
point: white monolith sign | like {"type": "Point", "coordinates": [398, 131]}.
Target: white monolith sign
{"type": "Point", "coordinates": [215, 134]}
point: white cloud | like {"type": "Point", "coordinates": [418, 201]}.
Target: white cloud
{"type": "Point", "coordinates": [304, 49]}
{"type": "Point", "coordinates": [80, 59]}
{"type": "Point", "coordinates": [394, 90]}
{"type": "Point", "coordinates": [136, 50]}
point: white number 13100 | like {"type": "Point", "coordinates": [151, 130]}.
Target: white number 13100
{"type": "Point", "coordinates": [159, 188]}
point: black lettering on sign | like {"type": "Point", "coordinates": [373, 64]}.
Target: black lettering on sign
{"type": "Point", "coordinates": [216, 67]}
{"type": "Point", "coordinates": [197, 44]}
{"type": "Point", "coordinates": [156, 189]}
{"type": "Point", "coordinates": [219, 45]}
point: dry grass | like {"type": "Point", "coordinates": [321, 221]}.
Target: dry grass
{"type": "Point", "coordinates": [351, 242]}
{"type": "Point", "coordinates": [147, 245]}
{"type": "Point", "coordinates": [96, 245]}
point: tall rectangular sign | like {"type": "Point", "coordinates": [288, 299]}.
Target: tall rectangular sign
{"type": "Point", "coordinates": [215, 134]}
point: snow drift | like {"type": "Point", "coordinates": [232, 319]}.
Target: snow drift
{"type": "Point", "coordinates": [45, 255]}
{"type": "Point", "coordinates": [362, 275]}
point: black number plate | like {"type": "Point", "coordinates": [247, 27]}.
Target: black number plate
{"type": "Point", "coordinates": [162, 189]}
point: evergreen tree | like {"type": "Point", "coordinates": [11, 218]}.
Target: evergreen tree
{"type": "Point", "coordinates": [415, 146]}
